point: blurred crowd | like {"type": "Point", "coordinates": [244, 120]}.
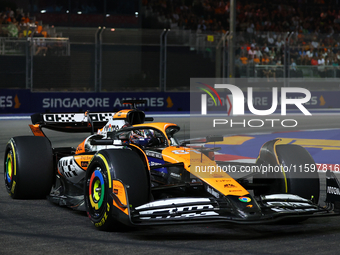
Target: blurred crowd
{"type": "Point", "coordinates": [275, 33]}
{"type": "Point", "coordinates": [19, 24]}
{"type": "Point", "coordinates": [307, 16]}
{"type": "Point", "coordinates": [270, 48]}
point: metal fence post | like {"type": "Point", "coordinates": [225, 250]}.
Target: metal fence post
{"type": "Point", "coordinates": [162, 66]}
{"type": "Point", "coordinates": [30, 50]}
{"type": "Point", "coordinates": [100, 60]}
{"type": "Point", "coordinates": [161, 61]}
{"type": "Point", "coordinates": [219, 59]}
{"type": "Point", "coordinates": [165, 58]}
{"type": "Point", "coordinates": [3, 47]}
{"type": "Point", "coordinates": [96, 59]}
{"type": "Point", "coordinates": [288, 53]}
{"type": "Point", "coordinates": [32, 54]}
{"type": "Point", "coordinates": [27, 64]}
{"type": "Point", "coordinates": [224, 55]}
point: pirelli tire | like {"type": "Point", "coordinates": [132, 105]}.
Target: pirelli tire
{"type": "Point", "coordinates": [28, 167]}
{"type": "Point", "coordinates": [121, 165]}
{"type": "Point", "coordinates": [298, 175]}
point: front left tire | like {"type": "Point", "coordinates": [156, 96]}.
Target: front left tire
{"type": "Point", "coordinates": [109, 174]}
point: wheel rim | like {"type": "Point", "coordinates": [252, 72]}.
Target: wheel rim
{"type": "Point", "coordinates": [96, 189]}
{"type": "Point", "coordinates": [9, 169]}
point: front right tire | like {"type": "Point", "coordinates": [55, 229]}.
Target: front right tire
{"type": "Point", "coordinates": [300, 178]}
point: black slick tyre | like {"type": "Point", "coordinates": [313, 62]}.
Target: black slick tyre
{"type": "Point", "coordinates": [105, 167]}
{"type": "Point", "coordinates": [298, 175]}
{"type": "Point", "coordinates": [302, 179]}
{"type": "Point", "coordinates": [28, 167]}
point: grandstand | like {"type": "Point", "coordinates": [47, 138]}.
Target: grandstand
{"type": "Point", "coordinates": [274, 39]}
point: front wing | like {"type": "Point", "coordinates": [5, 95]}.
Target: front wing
{"type": "Point", "coordinates": [232, 209]}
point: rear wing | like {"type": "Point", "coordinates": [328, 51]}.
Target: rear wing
{"type": "Point", "coordinates": [72, 122]}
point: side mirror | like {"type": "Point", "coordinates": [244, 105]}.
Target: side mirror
{"type": "Point", "coordinates": [214, 138]}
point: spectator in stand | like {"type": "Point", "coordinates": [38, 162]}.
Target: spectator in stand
{"type": "Point", "coordinates": [292, 68]}
{"type": "Point", "coordinates": [265, 59]}
{"type": "Point", "coordinates": [279, 43]}
{"type": "Point", "coordinates": [256, 60]}
{"type": "Point", "coordinates": [201, 26]}
{"type": "Point", "coordinates": [334, 61]}
{"type": "Point", "coordinates": [314, 61]}
{"type": "Point", "coordinates": [250, 29]}
{"type": "Point", "coordinates": [265, 48]}
{"type": "Point", "coordinates": [292, 64]}
{"type": "Point", "coordinates": [251, 53]}
{"type": "Point", "coordinates": [315, 42]}
{"type": "Point", "coordinates": [271, 40]}
{"type": "Point", "coordinates": [19, 15]}
{"type": "Point", "coordinates": [41, 44]}
{"type": "Point", "coordinates": [294, 52]}
{"type": "Point", "coordinates": [338, 56]}
{"type": "Point", "coordinates": [238, 61]}
{"type": "Point", "coordinates": [258, 53]}
{"type": "Point", "coordinates": [13, 28]}
{"type": "Point", "coordinates": [303, 59]}
{"type": "Point", "coordinates": [41, 47]}
{"type": "Point", "coordinates": [253, 44]}
{"type": "Point", "coordinates": [279, 62]}
{"type": "Point", "coordinates": [310, 53]}
{"type": "Point", "coordinates": [272, 53]}
{"type": "Point", "coordinates": [321, 67]}
{"type": "Point", "coordinates": [26, 20]}
{"type": "Point", "coordinates": [270, 72]}
{"type": "Point", "coordinates": [9, 15]}
{"type": "Point", "coordinates": [244, 59]}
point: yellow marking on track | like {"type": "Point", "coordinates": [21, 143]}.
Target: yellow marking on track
{"type": "Point", "coordinates": [313, 143]}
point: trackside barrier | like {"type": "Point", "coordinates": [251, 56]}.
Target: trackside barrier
{"type": "Point", "coordinates": [24, 101]}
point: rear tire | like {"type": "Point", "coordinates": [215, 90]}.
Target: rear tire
{"type": "Point", "coordinates": [28, 167]}
{"type": "Point", "coordinates": [117, 164]}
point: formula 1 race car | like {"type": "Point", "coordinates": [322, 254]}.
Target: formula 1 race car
{"type": "Point", "coordinates": [132, 173]}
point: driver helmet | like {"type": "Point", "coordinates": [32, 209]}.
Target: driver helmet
{"type": "Point", "coordinates": [141, 136]}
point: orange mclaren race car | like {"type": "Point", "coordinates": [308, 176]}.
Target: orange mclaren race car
{"type": "Point", "coordinates": [131, 173]}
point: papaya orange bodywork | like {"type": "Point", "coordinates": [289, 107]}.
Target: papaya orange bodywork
{"type": "Point", "coordinates": [204, 168]}
{"type": "Point", "coordinates": [36, 130]}
{"type": "Point", "coordinates": [81, 148]}
{"type": "Point", "coordinates": [122, 114]}
{"type": "Point", "coordinates": [119, 190]}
